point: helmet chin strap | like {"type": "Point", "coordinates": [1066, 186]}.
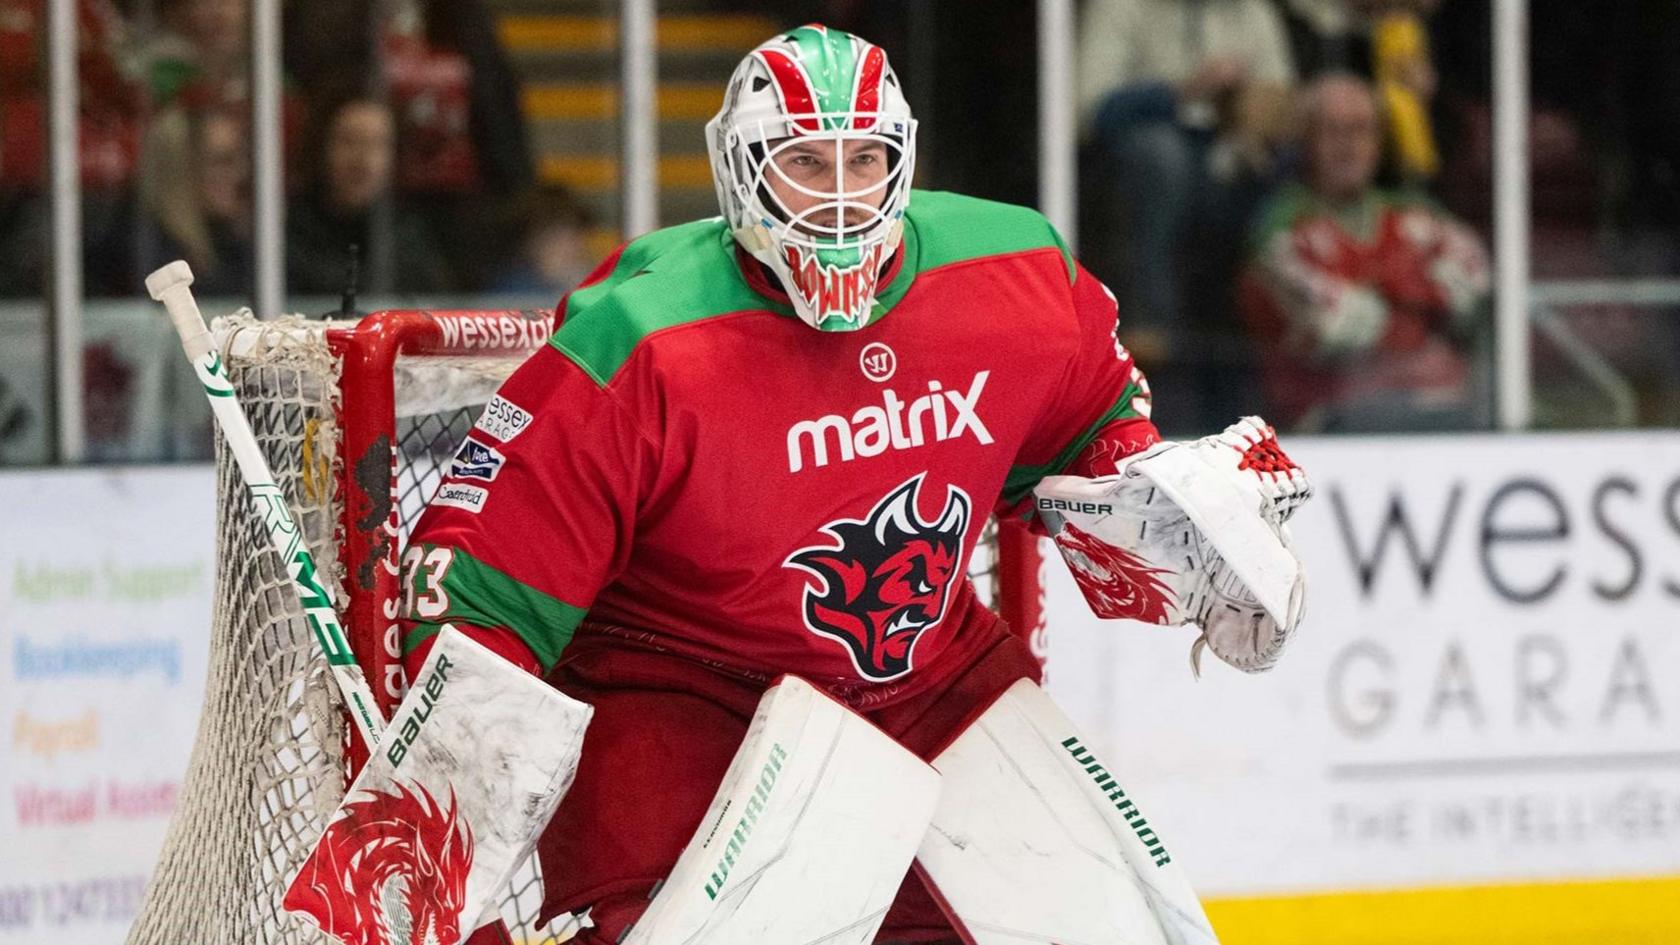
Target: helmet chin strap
{"type": "Point", "coordinates": [832, 294]}
{"type": "Point", "coordinates": [768, 281]}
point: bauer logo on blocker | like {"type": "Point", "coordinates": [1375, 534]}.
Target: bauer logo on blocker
{"type": "Point", "coordinates": [878, 362]}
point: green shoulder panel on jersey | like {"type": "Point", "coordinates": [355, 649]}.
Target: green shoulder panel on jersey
{"type": "Point", "coordinates": [1021, 479]}
{"type": "Point", "coordinates": [688, 273]}
{"type": "Point", "coordinates": [952, 228]}
{"type": "Point", "coordinates": [473, 592]}
{"type": "Point", "coordinates": [669, 277]}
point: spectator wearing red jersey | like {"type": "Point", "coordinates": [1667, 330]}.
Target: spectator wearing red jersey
{"type": "Point", "coordinates": [108, 144]}
{"type": "Point", "coordinates": [1364, 301]}
{"type": "Point", "coordinates": [460, 126]}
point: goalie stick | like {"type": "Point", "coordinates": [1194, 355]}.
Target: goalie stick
{"type": "Point", "coordinates": [171, 285]}
{"type": "Point", "coordinates": [532, 735]}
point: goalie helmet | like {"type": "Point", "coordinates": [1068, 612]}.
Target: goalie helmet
{"type": "Point", "coordinates": [826, 241]}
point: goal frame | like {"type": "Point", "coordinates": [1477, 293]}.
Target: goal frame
{"type": "Point", "coordinates": [368, 454]}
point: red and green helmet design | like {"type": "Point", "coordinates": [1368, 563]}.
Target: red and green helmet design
{"type": "Point", "coordinates": [824, 103]}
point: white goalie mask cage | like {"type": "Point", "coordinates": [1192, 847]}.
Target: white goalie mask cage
{"type": "Point", "coordinates": [794, 163]}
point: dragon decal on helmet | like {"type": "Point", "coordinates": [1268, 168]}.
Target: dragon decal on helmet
{"type": "Point", "coordinates": [812, 156]}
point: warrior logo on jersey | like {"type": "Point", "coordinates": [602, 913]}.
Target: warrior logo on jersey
{"type": "Point", "coordinates": [887, 581]}
{"type": "Point", "coordinates": [391, 870]}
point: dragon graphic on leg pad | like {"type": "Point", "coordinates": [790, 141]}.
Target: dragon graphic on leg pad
{"type": "Point", "coordinates": [887, 581]}
{"type": "Point", "coordinates": [390, 870]}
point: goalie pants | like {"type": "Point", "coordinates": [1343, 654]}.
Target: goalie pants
{"type": "Point", "coordinates": [664, 731]}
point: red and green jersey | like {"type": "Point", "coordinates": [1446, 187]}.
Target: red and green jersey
{"type": "Point", "coordinates": [687, 462]}
{"type": "Point", "coordinates": [1361, 300]}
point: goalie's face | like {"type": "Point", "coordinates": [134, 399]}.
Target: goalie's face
{"type": "Point", "coordinates": [829, 188]}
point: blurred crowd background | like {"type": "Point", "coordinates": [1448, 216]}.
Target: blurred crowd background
{"type": "Point", "coordinates": [1291, 198]}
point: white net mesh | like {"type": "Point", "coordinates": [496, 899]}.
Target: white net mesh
{"type": "Point", "coordinates": [268, 765]}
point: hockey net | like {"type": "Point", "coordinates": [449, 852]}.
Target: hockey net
{"type": "Point", "coordinates": [359, 421]}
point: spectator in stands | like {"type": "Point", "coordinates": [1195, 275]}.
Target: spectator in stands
{"type": "Point", "coordinates": [347, 202]}
{"type": "Point", "coordinates": [1365, 303]}
{"type": "Point", "coordinates": [1182, 100]}
{"type": "Point", "coordinates": [553, 250]}
{"type": "Point", "coordinates": [108, 145]}
{"type": "Point", "coordinates": [1386, 41]}
{"type": "Point", "coordinates": [200, 52]}
{"type": "Point", "coordinates": [195, 192]}
{"type": "Point", "coordinates": [457, 103]}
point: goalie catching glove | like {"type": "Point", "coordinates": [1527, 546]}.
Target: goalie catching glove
{"type": "Point", "coordinates": [1190, 533]}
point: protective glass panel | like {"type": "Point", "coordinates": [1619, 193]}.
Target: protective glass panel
{"type": "Point", "coordinates": [459, 155]}
{"type": "Point", "coordinates": [1276, 193]}
{"type": "Point", "coordinates": [1605, 239]}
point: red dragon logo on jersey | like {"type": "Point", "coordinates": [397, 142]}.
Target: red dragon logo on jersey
{"type": "Point", "coordinates": [1115, 583]}
{"type": "Point", "coordinates": [391, 870]}
{"type": "Point", "coordinates": [886, 582]}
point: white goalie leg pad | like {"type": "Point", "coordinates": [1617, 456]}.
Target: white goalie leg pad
{"type": "Point", "coordinates": [468, 773]}
{"type": "Point", "coordinates": [1034, 841]}
{"type": "Point", "coordinates": [809, 835]}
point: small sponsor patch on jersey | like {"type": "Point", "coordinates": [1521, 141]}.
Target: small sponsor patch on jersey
{"type": "Point", "coordinates": [503, 419]}
{"type": "Point", "coordinates": [474, 460]}
{"type": "Point", "coordinates": [469, 498]}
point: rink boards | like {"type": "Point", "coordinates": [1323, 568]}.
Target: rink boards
{"type": "Point", "coordinates": [1477, 728]}
{"type": "Point", "coordinates": [1475, 738]}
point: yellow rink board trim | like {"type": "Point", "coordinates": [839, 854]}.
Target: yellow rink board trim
{"type": "Point", "coordinates": [1618, 912]}
{"type": "Point", "coordinates": [557, 33]}
{"type": "Point", "coordinates": [593, 101]}
{"type": "Point", "coordinates": [595, 174]}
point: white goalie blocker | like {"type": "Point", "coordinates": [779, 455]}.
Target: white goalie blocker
{"type": "Point", "coordinates": [468, 773]}
{"type": "Point", "coordinates": [1190, 533]}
